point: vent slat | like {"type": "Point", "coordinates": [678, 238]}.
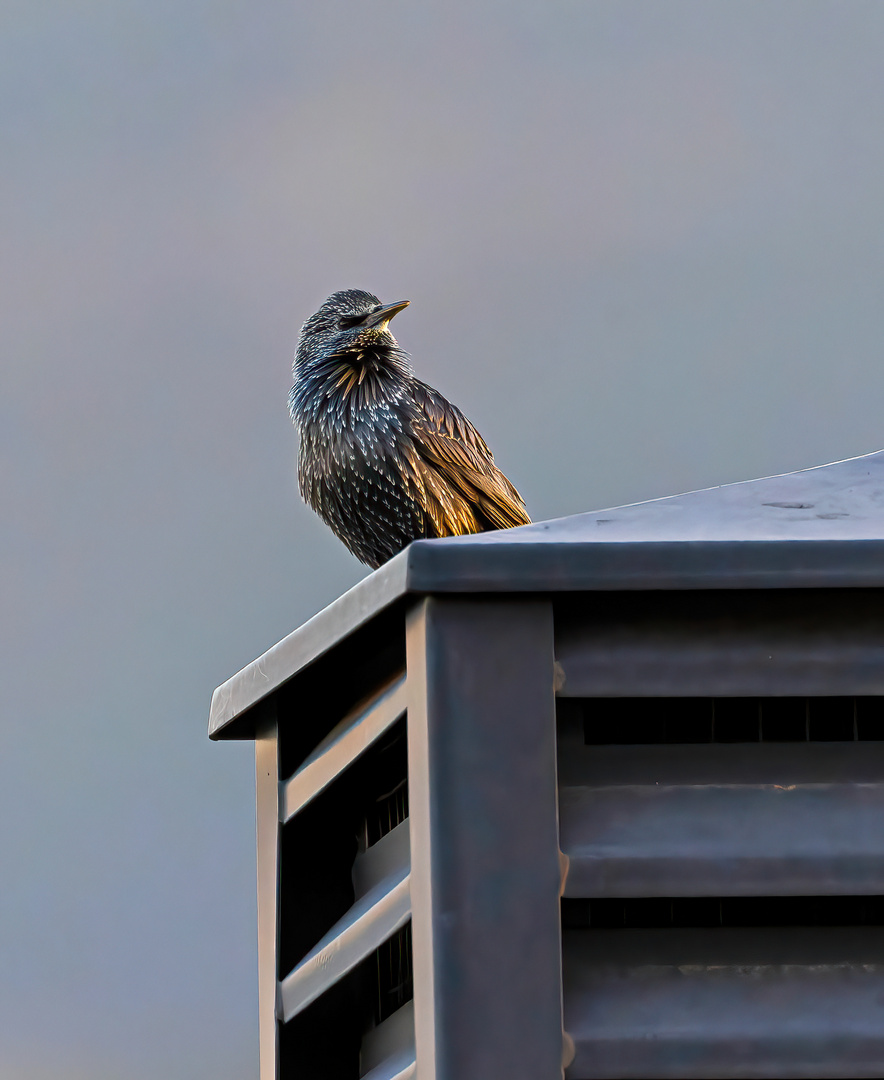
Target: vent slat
{"type": "Point", "coordinates": [346, 742]}
{"type": "Point", "coordinates": [383, 872]}
{"type": "Point", "coordinates": [690, 1004]}
{"type": "Point", "coordinates": [715, 763]}
{"type": "Point", "coordinates": [723, 839]}
{"type": "Point", "coordinates": [388, 1050]}
{"type": "Point", "coordinates": [400, 1067]}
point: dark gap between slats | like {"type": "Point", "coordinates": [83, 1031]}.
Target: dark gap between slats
{"type": "Point", "coordinates": [389, 971]}
{"type": "Point", "coordinates": [754, 911]}
{"type": "Point", "coordinates": [394, 974]}
{"type": "Point", "coordinates": [635, 721]}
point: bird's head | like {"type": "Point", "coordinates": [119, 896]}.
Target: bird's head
{"type": "Point", "coordinates": [347, 358]}
{"type": "Point", "coordinates": [350, 321]}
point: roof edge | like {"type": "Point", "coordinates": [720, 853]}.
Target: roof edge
{"type": "Point", "coordinates": [307, 643]}
{"type": "Point", "coordinates": [438, 566]}
{"type": "Point", "coordinates": [628, 565]}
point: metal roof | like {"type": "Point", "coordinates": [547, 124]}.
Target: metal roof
{"type": "Point", "coordinates": [816, 528]}
{"type": "Point", "coordinates": [840, 501]}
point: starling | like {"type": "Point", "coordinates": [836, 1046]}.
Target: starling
{"type": "Point", "coordinates": [384, 459]}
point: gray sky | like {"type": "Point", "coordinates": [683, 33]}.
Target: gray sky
{"type": "Point", "coordinates": [643, 244]}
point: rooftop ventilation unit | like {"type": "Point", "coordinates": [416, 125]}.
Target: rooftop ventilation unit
{"type": "Point", "coordinates": [601, 797]}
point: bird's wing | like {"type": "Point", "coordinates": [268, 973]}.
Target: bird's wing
{"type": "Point", "coordinates": [450, 446]}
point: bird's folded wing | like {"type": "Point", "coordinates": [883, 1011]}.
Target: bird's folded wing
{"type": "Point", "coordinates": [449, 443]}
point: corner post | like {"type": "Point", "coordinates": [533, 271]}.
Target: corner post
{"type": "Point", "coordinates": [485, 871]}
{"type": "Point", "coordinates": [267, 829]}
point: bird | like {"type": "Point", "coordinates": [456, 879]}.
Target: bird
{"type": "Point", "coordinates": [384, 458]}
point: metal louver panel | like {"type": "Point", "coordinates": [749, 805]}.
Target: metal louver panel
{"type": "Point", "coordinates": [341, 747]}
{"type": "Point", "coordinates": [383, 904]}
{"type": "Point", "coordinates": [786, 1002]}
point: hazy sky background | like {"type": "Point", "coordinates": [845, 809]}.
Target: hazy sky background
{"type": "Point", "coordinates": [643, 244]}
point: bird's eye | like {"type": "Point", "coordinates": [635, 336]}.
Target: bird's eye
{"type": "Point", "coordinates": [347, 322]}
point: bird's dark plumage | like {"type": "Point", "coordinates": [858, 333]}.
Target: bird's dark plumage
{"type": "Point", "coordinates": [385, 459]}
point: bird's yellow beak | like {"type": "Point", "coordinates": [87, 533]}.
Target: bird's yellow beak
{"type": "Point", "coordinates": [383, 314]}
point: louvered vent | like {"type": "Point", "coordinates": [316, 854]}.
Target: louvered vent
{"type": "Point", "coordinates": [345, 945]}
{"type": "Point", "coordinates": [724, 906]}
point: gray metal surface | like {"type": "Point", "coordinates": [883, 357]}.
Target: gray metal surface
{"type": "Point", "coordinates": [484, 846]}
{"type": "Point", "coordinates": [382, 906]}
{"type": "Point", "coordinates": [820, 528]}
{"type": "Point", "coordinates": [688, 1004]}
{"type": "Point", "coordinates": [341, 747]}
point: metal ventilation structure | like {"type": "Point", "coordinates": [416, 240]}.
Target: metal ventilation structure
{"type": "Point", "coordinates": [601, 797]}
